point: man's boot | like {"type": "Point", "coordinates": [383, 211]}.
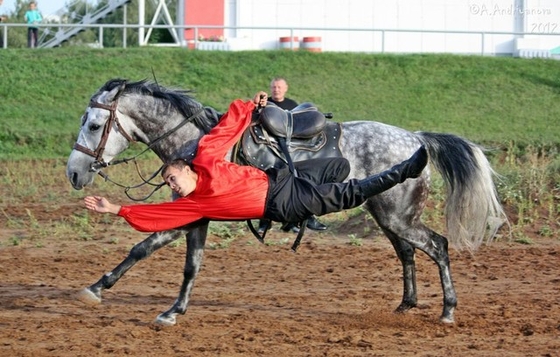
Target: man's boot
{"type": "Point", "coordinates": [314, 224]}
{"type": "Point", "coordinates": [264, 224]}
{"type": "Point", "coordinates": [290, 227]}
{"type": "Point", "coordinates": [411, 168]}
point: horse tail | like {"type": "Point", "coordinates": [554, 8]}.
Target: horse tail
{"type": "Point", "coordinates": [473, 210]}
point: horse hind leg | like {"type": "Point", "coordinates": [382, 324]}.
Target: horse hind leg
{"type": "Point", "coordinates": [92, 295]}
{"type": "Point", "coordinates": [436, 247]}
{"type": "Point", "coordinates": [196, 240]}
{"type": "Point", "coordinates": [407, 233]}
{"type": "Point", "coordinates": [405, 253]}
{"type": "Point", "coordinates": [439, 252]}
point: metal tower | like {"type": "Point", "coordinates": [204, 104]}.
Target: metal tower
{"type": "Point", "coordinates": [80, 12]}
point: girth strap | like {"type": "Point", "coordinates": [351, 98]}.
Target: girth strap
{"type": "Point", "coordinates": [283, 143]}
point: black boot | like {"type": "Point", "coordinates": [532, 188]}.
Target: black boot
{"type": "Point", "coordinates": [314, 224]}
{"type": "Point", "coordinates": [411, 168]}
{"type": "Point", "coordinates": [263, 225]}
{"type": "Point", "coordinates": [290, 227]}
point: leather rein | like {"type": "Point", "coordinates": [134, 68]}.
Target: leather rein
{"type": "Point", "coordinates": [97, 154]}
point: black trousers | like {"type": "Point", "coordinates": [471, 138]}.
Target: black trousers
{"type": "Point", "coordinates": [32, 37]}
{"type": "Point", "coordinates": [317, 190]}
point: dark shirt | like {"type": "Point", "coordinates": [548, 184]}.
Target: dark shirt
{"type": "Point", "coordinates": [286, 104]}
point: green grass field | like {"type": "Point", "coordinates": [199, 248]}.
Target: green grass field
{"type": "Point", "coordinates": [506, 104]}
{"type": "Point", "coordinates": [497, 102]}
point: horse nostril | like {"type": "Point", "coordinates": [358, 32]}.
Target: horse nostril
{"type": "Point", "coordinates": [74, 179]}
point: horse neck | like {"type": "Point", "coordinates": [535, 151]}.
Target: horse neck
{"type": "Point", "coordinates": [154, 126]}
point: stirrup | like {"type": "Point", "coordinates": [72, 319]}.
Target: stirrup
{"type": "Point", "coordinates": [297, 241]}
{"type": "Point", "coordinates": [256, 233]}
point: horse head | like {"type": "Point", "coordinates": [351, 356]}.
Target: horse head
{"type": "Point", "coordinates": [168, 121]}
{"type": "Point", "coordinates": [103, 135]}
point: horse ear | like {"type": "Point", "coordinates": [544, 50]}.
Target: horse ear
{"type": "Point", "coordinates": [116, 92]}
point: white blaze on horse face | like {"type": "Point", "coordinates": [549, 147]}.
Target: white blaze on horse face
{"type": "Point", "coordinates": [92, 132]}
{"type": "Point", "coordinates": [86, 132]}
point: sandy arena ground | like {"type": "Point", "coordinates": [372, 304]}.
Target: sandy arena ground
{"type": "Point", "coordinates": [329, 299]}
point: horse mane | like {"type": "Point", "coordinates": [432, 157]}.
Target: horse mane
{"type": "Point", "coordinates": [180, 99]}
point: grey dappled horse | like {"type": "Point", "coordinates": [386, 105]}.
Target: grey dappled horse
{"type": "Point", "coordinates": [171, 122]}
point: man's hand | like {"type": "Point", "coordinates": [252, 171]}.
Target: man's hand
{"type": "Point", "coordinates": [260, 99]}
{"type": "Point", "coordinates": [101, 205]}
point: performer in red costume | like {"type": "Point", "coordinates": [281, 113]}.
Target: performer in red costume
{"type": "Point", "coordinates": [216, 189]}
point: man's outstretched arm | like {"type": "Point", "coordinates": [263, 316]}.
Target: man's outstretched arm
{"type": "Point", "coordinates": [101, 205]}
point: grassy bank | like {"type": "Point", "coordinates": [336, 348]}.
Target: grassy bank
{"type": "Point", "coordinates": [498, 102]}
{"type": "Point", "coordinates": [506, 104]}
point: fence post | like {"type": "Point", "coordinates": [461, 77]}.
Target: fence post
{"type": "Point", "coordinates": [101, 36]}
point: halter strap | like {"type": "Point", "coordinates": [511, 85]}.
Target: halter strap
{"type": "Point", "coordinates": [113, 118]}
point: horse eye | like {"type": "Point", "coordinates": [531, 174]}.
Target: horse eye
{"type": "Point", "coordinates": [94, 127]}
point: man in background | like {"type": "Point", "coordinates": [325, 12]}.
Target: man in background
{"type": "Point", "coordinates": [278, 89]}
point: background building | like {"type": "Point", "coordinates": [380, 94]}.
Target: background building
{"type": "Point", "coordinates": [381, 25]}
{"type": "Point", "coordinates": [528, 28]}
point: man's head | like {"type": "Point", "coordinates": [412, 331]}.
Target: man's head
{"type": "Point", "coordinates": [180, 177]}
{"type": "Point", "coordinates": [278, 89]}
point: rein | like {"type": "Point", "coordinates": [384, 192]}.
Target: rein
{"type": "Point", "coordinates": [98, 152]}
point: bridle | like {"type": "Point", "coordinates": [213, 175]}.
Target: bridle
{"type": "Point", "coordinates": [97, 154]}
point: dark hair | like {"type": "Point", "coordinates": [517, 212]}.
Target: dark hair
{"type": "Point", "coordinates": [177, 163]}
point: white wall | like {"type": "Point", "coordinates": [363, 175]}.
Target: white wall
{"type": "Point", "coordinates": [445, 15]}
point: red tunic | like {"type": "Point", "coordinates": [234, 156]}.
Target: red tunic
{"type": "Point", "coordinates": [224, 190]}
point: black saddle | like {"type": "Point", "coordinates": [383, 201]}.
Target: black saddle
{"type": "Point", "coordinates": [302, 122]}
{"type": "Point", "coordinates": [306, 131]}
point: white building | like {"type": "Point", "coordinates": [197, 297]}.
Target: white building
{"type": "Point", "coordinates": [490, 27]}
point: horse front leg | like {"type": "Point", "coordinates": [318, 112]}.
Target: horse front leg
{"type": "Point", "coordinates": [92, 294]}
{"type": "Point", "coordinates": [196, 240]}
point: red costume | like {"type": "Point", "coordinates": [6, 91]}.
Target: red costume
{"type": "Point", "coordinates": [224, 190]}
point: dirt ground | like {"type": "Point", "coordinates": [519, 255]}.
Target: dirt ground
{"type": "Point", "coordinates": [331, 298]}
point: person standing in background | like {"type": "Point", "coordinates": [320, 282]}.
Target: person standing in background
{"type": "Point", "coordinates": [32, 17]}
{"type": "Point", "coordinates": [278, 89]}
{"type": "Point", "coordinates": [2, 19]}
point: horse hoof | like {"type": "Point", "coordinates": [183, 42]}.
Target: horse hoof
{"type": "Point", "coordinates": [166, 320]}
{"type": "Point", "coordinates": [88, 297]}
{"type": "Point", "coordinates": [447, 317]}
